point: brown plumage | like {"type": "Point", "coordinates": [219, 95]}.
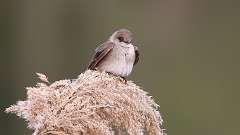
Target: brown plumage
{"type": "Point", "coordinates": [117, 55]}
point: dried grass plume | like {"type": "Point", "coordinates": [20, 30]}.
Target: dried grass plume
{"type": "Point", "coordinates": [93, 104]}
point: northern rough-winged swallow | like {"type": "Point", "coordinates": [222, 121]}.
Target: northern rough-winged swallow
{"type": "Point", "coordinates": [117, 55]}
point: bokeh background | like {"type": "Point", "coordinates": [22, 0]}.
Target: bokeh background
{"type": "Point", "coordinates": [189, 54]}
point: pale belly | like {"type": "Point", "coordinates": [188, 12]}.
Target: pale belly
{"type": "Point", "coordinates": [119, 62]}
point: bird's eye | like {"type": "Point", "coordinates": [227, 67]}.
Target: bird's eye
{"type": "Point", "coordinates": [121, 39]}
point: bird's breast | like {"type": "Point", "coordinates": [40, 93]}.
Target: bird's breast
{"type": "Point", "coordinates": [120, 61]}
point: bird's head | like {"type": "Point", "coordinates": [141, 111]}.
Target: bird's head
{"type": "Point", "coordinates": [121, 36]}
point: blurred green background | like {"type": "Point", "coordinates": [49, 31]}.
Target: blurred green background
{"type": "Point", "coordinates": [189, 54]}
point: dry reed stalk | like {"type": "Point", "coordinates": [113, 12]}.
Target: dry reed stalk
{"type": "Point", "coordinates": [93, 104]}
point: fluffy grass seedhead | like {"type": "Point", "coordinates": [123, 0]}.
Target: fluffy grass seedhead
{"type": "Point", "coordinates": [93, 104]}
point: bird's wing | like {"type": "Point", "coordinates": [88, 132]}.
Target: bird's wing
{"type": "Point", "coordinates": [136, 55]}
{"type": "Point", "coordinates": [100, 52]}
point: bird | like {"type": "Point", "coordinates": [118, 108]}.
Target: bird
{"type": "Point", "coordinates": [117, 55]}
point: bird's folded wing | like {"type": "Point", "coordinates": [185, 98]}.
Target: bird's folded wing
{"type": "Point", "coordinates": [100, 53]}
{"type": "Point", "coordinates": [136, 55]}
